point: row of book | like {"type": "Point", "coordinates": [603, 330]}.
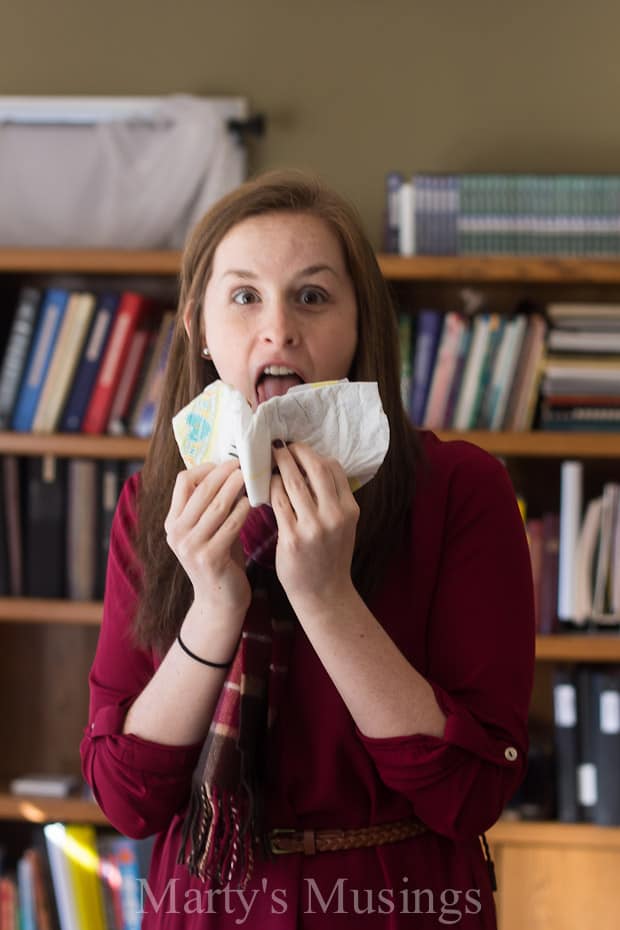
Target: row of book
{"type": "Point", "coordinates": [76, 878]}
{"type": "Point", "coordinates": [589, 552]}
{"type": "Point", "coordinates": [76, 361]}
{"type": "Point", "coordinates": [55, 521]}
{"type": "Point", "coordinates": [580, 387]}
{"type": "Point", "coordinates": [510, 214]}
{"type": "Point", "coordinates": [489, 370]}
{"type": "Point", "coordinates": [586, 716]}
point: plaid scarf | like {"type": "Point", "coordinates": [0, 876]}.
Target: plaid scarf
{"type": "Point", "coordinates": [225, 816]}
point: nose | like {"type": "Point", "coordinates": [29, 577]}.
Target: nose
{"type": "Point", "coordinates": [279, 324]}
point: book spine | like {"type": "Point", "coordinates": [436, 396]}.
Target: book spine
{"type": "Point", "coordinates": [41, 352]}
{"type": "Point", "coordinates": [565, 711]}
{"type": "Point", "coordinates": [16, 353]}
{"type": "Point", "coordinates": [88, 366]}
{"type": "Point", "coordinates": [571, 483]}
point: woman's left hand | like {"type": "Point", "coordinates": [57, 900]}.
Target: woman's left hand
{"type": "Point", "coordinates": [317, 516]}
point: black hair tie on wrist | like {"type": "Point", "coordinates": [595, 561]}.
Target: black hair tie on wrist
{"type": "Point", "coordinates": [193, 655]}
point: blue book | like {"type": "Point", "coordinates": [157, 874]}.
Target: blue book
{"type": "Point", "coordinates": [88, 366]}
{"type": "Point", "coordinates": [44, 339]}
{"type": "Point", "coordinates": [427, 340]}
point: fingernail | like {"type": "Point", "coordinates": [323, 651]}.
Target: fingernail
{"type": "Point", "coordinates": [278, 444]}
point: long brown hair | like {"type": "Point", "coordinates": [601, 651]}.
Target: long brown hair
{"type": "Point", "coordinates": [384, 502]}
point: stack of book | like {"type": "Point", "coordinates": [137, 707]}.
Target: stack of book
{"type": "Point", "coordinates": [74, 878]}
{"type": "Point", "coordinates": [459, 372]}
{"type": "Point", "coordinates": [55, 521]}
{"type": "Point", "coordinates": [80, 362]}
{"type": "Point", "coordinates": [581, 374]}
{"type": "Point", "coordinates": [506, 214]}
{"type": "Point", "coordinates": [586, 713]}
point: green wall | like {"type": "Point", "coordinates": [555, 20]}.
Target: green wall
{"type": "Point", "coordinates": [352, 88]}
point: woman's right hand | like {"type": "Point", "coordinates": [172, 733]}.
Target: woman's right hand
{"type": "Point", "coordinates": [202, 529]}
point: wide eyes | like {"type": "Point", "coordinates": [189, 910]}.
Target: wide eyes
{"type": "Point", "coordinates": [308, 296]}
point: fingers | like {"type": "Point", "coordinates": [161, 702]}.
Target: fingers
{"type": "Point", "coordinates": [195, 488]}
{"type": "Point", "coordinates": [310, 480]}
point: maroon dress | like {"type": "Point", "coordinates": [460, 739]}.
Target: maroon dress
{"type": "Point", "coordinates": [458, 603]}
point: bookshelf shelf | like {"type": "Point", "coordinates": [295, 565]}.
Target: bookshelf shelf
{"type": "Point", "coordinates": [47, 610]}
{"type": "Point", "coordinates": [540, 444]}
{"type": "Point", "coordinates": [73, 445]}
{"type": "Point", "coordinates": [500, 269]}
{"type": "Point", "coordinates": [44, 810]}
{"type": "Point", "coordinates": [90, 261]}
{"type": "Point", "coordinates": [535, 444]}
{"type": "Point", "coordinates": [552, 833]}
{"type": "Point", "coordinates": [578, 647]}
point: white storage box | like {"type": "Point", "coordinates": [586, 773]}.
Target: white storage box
{"type": "Point", "coordinates": [128, 173]}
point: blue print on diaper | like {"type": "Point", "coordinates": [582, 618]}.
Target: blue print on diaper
{"type": "Point", "coordinates": [199, 428]}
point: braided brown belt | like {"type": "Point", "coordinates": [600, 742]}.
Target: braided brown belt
{"type": "Point", "coordinates": [309, 842]}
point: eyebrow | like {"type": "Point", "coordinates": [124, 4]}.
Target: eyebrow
{"type": "Point", "coordinates": [310, 270]}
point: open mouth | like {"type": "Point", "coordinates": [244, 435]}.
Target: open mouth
{"type": "Point", "coordinates": [275, 381]}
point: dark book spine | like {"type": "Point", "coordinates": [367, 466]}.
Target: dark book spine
{"type": "Point", "coordinates": [565, 718]}
{"type": "Point", "coordinates": [45, 527]}
{"type": "Point", "coordinates": [16, 353]}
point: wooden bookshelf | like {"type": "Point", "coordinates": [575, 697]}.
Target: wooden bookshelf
{"type": "Point", "coordinates": [500, 269]}
{"type": "Point", "coordinates": [90, 261]}
{"type": "Point", "coordinates": [44, 810]}
{"type": "Point", "coordinates": [578, 647]}
{"type": "Point", "coordinates": [48, 610]}
{"type": "Point", "coordinates": [73, 445]}
{"type": "Point", "coordinates": [536, 444]}
{"type": "Point", "coordinates": [550, 832]}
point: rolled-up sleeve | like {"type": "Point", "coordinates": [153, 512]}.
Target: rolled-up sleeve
{"type": "Point", "coordinates": [138, 784]}
{"type": "Point", "coordinates": [480, 650]}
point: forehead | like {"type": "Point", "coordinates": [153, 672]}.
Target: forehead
{"type": "Point", "coordinates": [285, 239]}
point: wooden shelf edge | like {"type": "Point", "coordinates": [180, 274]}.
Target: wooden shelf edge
{"type": "Point", "coordinates": [50, 610]}
{"type": "Point", "coordinates": [553, 833]}
{"type": "Point", "coordinates": [500, 269]}
{"type": "Point", "coordinates": [578, 647]}
{"type": "Point", "coordinates": [46, 810]}
{"type": "Point", "coordinates": [534, 444]}
{"type": "Point", "coordinates": [91, 261]}
{"type": "Point", "coordinates": [540, 444]}
{"type": "Point", "coordinates": [73, 445]}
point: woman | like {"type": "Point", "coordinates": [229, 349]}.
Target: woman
{"type": "Point", "coordinates": [373, 722]}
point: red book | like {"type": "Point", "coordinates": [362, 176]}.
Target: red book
{"type": "Point", "coordinates": [131, 311]}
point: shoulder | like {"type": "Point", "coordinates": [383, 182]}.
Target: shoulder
{"type": "Point", "coordinates": [458, 477]}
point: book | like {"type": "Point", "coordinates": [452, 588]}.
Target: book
{"type": "Point", "coordinates": [603, 611]}
{"type": "Point", "coordinates": [504, 374]}
{"type": "Point", "coordinates": [5, 581]}
{"type": "Point", "coordinates": [444, 370]}
{"type": "Point", "coordinates": [45, 516]}
{"type": "Point", "coordinates": [89, 363]}
{"type": "Point", "coordinates": [523, 396]}
{"type": "Point", "coordinates": [131, 310]}
{"type": "Point", "coordinates": [605, 684]}
{"type": "Point", "coordinates": [534, 530]}
{"type": "Point", "coordinates": [549, 575]}
{"type": "Point", "coordinates": [147, 403]}
{"type": "Point", "coordinates": [63, 363]}
{"type": "Point", "coordinates": [47, 329]}
{"type": "Point", "coordinates": [44, 785]}
{"type": "Point", "coordinates": [16, 352]}
{"type": "Point", "coordinates": [25, 892]}
{"type": "Point", "coordinates": [481, 329]}
{"type": "Point", "coordinates": [82, 531]}
{"type": "Point", "coordinates": [143, 337]}
{"type": "Point", "coordinates": [12, 492]}
{"type": "Point", "coordinates": [565, 719]}
{"type": "Point", "coordinates": [405, 331]}
{"type": "Point", "coordinates": [84, 868]}
{"type": "Point", "coordinates": [110, 480]}
{"type": "Point", "coordinates": [587, 768]}
{"type": "Point", "coordinates": [584, 557]}
{"type": "Point", "coordinates": [429, 325]}
{"type": "Point", "coordinates": [56, 846]}
{"type": "Point", "coordinates": [571, 485]}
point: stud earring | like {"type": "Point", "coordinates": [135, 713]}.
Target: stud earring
{"type": "Point", "coordinates": [205, 352]}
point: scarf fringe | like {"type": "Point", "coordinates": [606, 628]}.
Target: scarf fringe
{"type": "Point", "coordinates": [220, 837]}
